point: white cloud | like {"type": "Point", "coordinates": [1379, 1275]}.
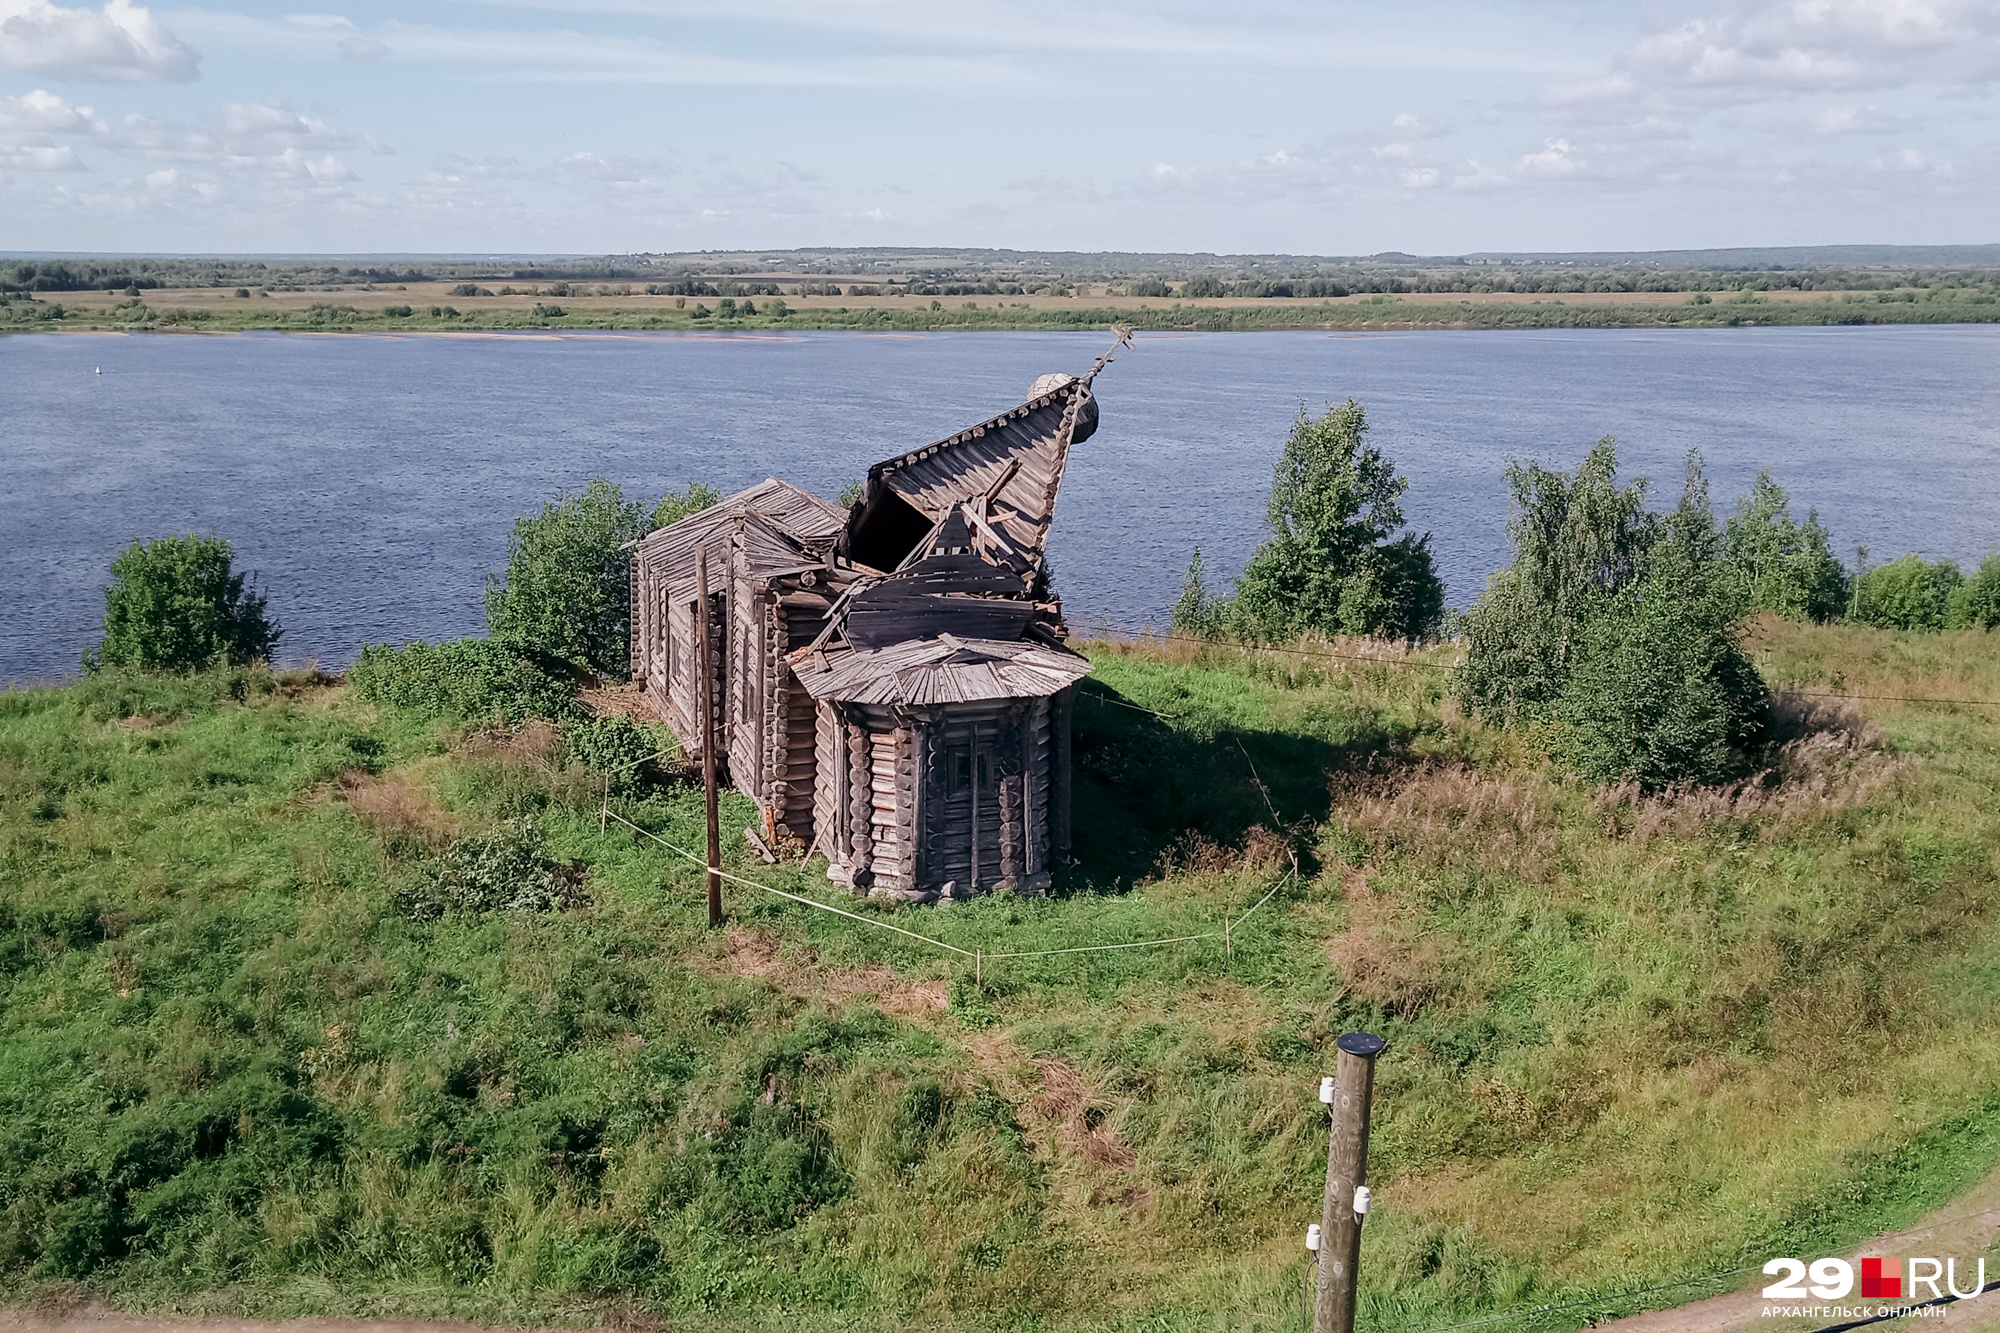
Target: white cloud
{"type": "Point", "coordinates": [40, 157]}
{"type": "Point", "coordinates": [1762, 51]}
{"type": "Point", "coordinates": [121, 43]}
{"type": "Point", "coordinates": [1557, 158]}
{"type": "Point", "coordinates": [42, 112]}
{"type": "Point", "coordinates": [362, 49]}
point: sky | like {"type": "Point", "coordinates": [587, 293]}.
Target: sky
{"type": "Point", "coordinates": [1257, 126]}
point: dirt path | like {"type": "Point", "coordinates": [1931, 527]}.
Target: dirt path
{"type": "Point", "coordinates": [1965, 1228]}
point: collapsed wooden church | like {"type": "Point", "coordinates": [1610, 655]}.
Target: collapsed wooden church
{"type": "Point", "coordinates": [889, 683]}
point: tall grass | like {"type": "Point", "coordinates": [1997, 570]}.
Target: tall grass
{"type": "Point", "coordinates": [1632, 1038]}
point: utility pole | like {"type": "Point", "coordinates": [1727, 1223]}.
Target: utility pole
{"type": "Point", "coordinates": [704, 651]}
{"type": "Point", "coordinates": [1346, 1179]}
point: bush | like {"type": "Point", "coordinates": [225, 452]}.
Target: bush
{"type": "Point", "coordinates": [1615, 630]}
{"type": "Point", "coordinates": [617, 746]}
{"type": "Point", "coordinates": [469, 679]}
{"type": "Point", "coordinates": [1975, 603]}
{"type": "Point", "coordinates": [508, 870]}
{"type": "Point", "coordinates": [1905, 594]}
{"type": "Point", "coordinates": [1329, 565]}
{"type": "Point", "coordinates": [1197, 613]}
{"type": "Point", "coordinates": [175, 604]}
{"type": "Point", "coordinates": [1784, 568]}
{"type": "Point", "coordinates": [568, 589]}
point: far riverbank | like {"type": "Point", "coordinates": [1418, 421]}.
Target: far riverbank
{"type": "Point", "coordinates": [440, 307]}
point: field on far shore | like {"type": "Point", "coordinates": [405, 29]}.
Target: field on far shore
{"type": "Point", "coordinates": [418, 307]}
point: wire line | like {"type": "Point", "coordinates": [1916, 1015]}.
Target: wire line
{"type": "Point", "coordinates": [928, 939]}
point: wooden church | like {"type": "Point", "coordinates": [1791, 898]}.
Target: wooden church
{"type": "Point", "coordinates": [890, 683]}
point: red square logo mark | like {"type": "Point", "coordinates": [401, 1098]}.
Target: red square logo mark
{"type": "Point", "coordinates": [1881, 1279]}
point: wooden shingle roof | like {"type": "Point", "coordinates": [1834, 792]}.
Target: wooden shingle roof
{"type": "Point", "coordinates": [782, 524]}
{"type": "Point", "coordinates": [943, 670]}
{"type": "Point", "coordinates": [1022, 451]}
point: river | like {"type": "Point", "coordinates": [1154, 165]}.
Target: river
{"type": "Point", "coordinates": [371, 481]}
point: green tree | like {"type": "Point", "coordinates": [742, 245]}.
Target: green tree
{"type": "Point", "coordinates": [1785, 568]}
{"type": "Point", "coordinates": [1577, 540]}
{"type": "Point", "coordinates": [1909, 594]}
{"type": "Point", "coordinates": [568, 587]}
{"type": "Point", "coordinates": [1975, 603]}
{"type": "Point", "coordinates": [1615, 630]}
{"type": "Point", "coordinates": [677, 505]}
{"type": "Point", "coordinates": [175, 604]}
{"type": "Point", "coordinates": [1661, 691]}
{"type": "Point", "coordinates": [1197, 613]}
{"type": "Point", "coordinates": [1329, 564]}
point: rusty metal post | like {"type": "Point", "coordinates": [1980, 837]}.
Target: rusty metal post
{"type": "Point", "coordinates": [704, 651]}
{"type": "Point", "coordinates": [1346, 1174]}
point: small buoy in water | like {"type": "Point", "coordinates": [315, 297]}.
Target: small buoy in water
{"type": "Point", "coordinates": [100, 370]}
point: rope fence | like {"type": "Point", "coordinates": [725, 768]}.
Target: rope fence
{"type": "Point", "coordinates": [979, 956]}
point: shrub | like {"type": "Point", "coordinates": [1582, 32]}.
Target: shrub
{"type": "Point", "coordinates": [1197, 613]}
{"type": "Point", "coordinates": [175, 604]}
{"type": "Point", "coordinates": [1615, 629]}
{"type": "Point", "coordinates": [1329, 565]}
{"type": "Point", "coordinates": [1196, 288]}
{"type": "Point", "coordinates": [568, 588]}
{"type": "Point", "coordinates": [507, 870]}
{"type": "Point", "coordinates": [677, 505]}
{"type": "Point", "coordinates": [1784, 568]}
{"type": "Point", "coordinates": [397, 312]}
{"type": "Point", "coordinates": [1975, 603]}
{"type": "Point", "coordinates": [469, 679]}
{"type": "Point", "coordinates": [619, 747]}
{"type": "Point", "coordinates": [1906, 594]}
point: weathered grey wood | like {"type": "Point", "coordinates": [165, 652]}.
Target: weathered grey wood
{"type": "Point", "coordinates": [860, 806]}
{"type": "Point", "coordinates": [708, 745]}
{"type": "Point", "coordinates": [1346, 1171]}
{"type": "Point", "coordinates": [908, 802]}
{"type": "Point", "coordinates": [1059, 778]}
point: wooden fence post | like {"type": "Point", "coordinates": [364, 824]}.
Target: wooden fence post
{"type": "Point", "coordinates": [703, 652]}
{"type": "Point", "coordinates": [1346, 1173]}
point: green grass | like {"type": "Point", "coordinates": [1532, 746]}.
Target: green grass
{"type": "Point", "coordinates": [1632, 1040]}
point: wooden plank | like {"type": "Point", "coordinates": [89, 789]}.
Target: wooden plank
{"type": "Point", "coordinates": [1059, 777]}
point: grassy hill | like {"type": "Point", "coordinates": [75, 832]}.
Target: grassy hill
{"type": "Point", "coordinates": [1632, 1039]}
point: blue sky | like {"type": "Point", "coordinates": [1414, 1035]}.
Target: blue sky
{"type": "Point", "coordinates": [1263, 125]}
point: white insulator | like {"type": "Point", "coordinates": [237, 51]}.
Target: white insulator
{"type": "Point", "coordinates": [1326, 1089]}
{"type": "Point", "coordinates": [1362, 1200]}
{"type": "Point", "coordinates": [1312, 1238]}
